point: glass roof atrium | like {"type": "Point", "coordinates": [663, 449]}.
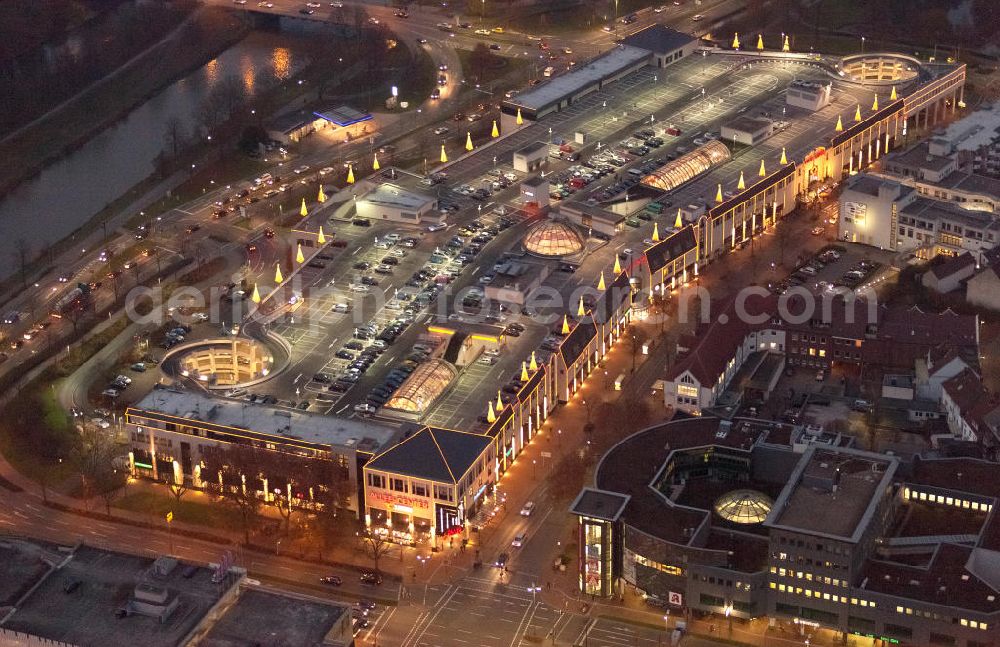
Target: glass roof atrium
{"type": "Point", "coordinates": [425, 384]}
{"type": "Point", "coordinates": [551, 238]}
{"type": "Point", "coordinates": [743, 506]}
{"type": "Point", "coordinates": [687, 167]}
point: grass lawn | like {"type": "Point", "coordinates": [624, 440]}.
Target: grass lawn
{"type": "Point", "coordinates": [35, 433]}
{"type": "Point", "coordinates": [194, 507]}
{"type": "Point", "coordinates": [499, 67]}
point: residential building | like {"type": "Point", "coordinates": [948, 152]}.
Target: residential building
{"type": "Point", "coordinates": [949, 275]}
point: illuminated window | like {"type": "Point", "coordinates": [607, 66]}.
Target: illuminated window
{"type": "Point", "coordinates": [822, 352]}
{"type": "Point", "coordinates": [687, 391]}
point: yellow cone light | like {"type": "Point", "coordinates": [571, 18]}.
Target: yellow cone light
{"type": "Point", "coordinates": [736, 40]}
{"type": "Point", "coordinates": [302, 210]}
{"type": "Point", "coordinates": [656, 232]}
{"type": "Point", "coordinates": [741, 184]}
{"type": "Point", "coordinates": [444, 156]}
{"type": "Point", "coordinates": [278, 278]}
{"type": "Point", "coordinates": [375, 164]}
{"type": "Point", "coordinates": [679, 222]}
{"type": "Point", "coordinates": [321, 198]}
{"type": "Point", "coordinates": [496, 131]}
{"type": "Point", "coordinates": [580, 311]}
{"type": "Point", "coordinates": [255, 297]}
{"type": "Point", "coordinates": [892, 96]}
{"type": "Point", "coordinates": [299, 256]}
{"type": "Point", "coordinates": [499, 403]}
{"type": "Point", "coordinates": [840, 124]}
{"type": "Point", "coordinates": [718, 194]}
{"type": "Point", "coordinates": [565, 326]}
{"type": "Point", "coordinates": [350, 174]}
{"type": "Point", "coordinates": [519, 120]}
{"type": "Point", "coordinates": [875, 103]}
{"type": "Point", "coordinates": [491, 417]}
{"type": "Point", "coordinates": [524, 371]}
{"type": "Point", "coordinates": [600, 284]}
{"type": "Point", "coordinates": [785, 47]}
{"type": "Point", "coordinates": [760, 42]}
{"type": "Point", "coordinates": [857, 113]}
{"type": "Point", "coordinates": [321, 238]}
{"type": "Point", "coordinates": [468, 141]}
{"type": "Point", "coordinates": [762, 172]}
{"type": "Point", "coordinates": [784, 158]}
{"type": "Point", "coordinates": [618, 266]}
{"type": "Point", "coordinates": [534, 364]}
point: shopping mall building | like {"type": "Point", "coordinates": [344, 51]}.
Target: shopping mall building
{"type": "Point", "coordinates": [747, 519]}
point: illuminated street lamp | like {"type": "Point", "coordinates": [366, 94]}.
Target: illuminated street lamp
{"type": "Point", "coordinates": [785, 47]}
{"type": "Point", "coordinates": [875, 103]}
{"type": "Point", "coordinates": [491, 416]}
{"type": "Point", "coordinates": [302, 210]}
{"type": "Point", "coordinates": [375, 164]}
{"type": "Point", "coordinates": [784, 159]}
{"type": "Point", "coordinates": [840, 125]}
{"type": "Point", "coordinates": [321, 238]}
{"type": "Point", "coordinates": [444, 156]}
{"type": "Point", "coordinates": [679, 222]}
{"type": "Point", "coordinates": [760, 42]}
{"type": "Point", "coordinates": [736, 40]}
{"type": "Point", "coordinates": [496, 131]}
{"type": "Point", "coordinates": [618, 266]}
{"type": "Point", "coordinates": [763, 172]}
{"type": "Point", "coordinates": [565, 326]}
{"type": "Point", "coordinates": [892, 96]}
{"type": "Point", "coordinates": [580, 310]}
{"type": "Point", "coordinates": [519, 121]}
{"type": "Point", "coordinates": [857, 113]}
{"type": "Point", "coordinates": [255, 297]}
{"type": "Point", "coordinates": [718, 193]}
{"type": "Point", "coordinates": [741, 185]}
{"type": "Point", "coordinates": [468, 141]}
{"type": "Point", "coordinates": [656, 236]}
{"type": "Point", "coordinates": [299, 256]}
{"type": "Point", "coordinates": [350, 174]}
{"type": "Point", "coordinates": [600, 283]}
{"type": "Point", "coordinates": [321, 198]}
{"type": "Point", "coordinates": [534, 364]}
{"type": "Point", "coordinates": [278, 278]}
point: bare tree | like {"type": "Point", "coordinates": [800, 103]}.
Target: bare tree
{"type": "Point", "coordinates": [331, 490]}
{"type": "Point", "coordinates": [98, 460]}
{"type": "Point", "coordinates": [22, 253]}
{"type": "Point", "coordinates": [174, 136]}
{"type": "Point", "coordinates": [635, 341]}
{"type": "Point", "coordinates": [178, 490]}
{"type": "Point", "coordinates": [375, 545]}
{"type": "Point", "coordinates": [240, 482]}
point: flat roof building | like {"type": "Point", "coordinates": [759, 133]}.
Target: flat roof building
{"type": "Point", "coordinates": [855, 541]}
{"type": "Point", "coordinates": [809, 95]}
{"type": "Point", "coordinates": [171, 429]}
{"type": "Point", "coordinates": [392, 202]}
{"type": "Point", "coordinates": [561, 91]}
{"type": "Point", "coordinates": [748, 131]}
{"type": "Point", "coordinates": [667, 45]}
